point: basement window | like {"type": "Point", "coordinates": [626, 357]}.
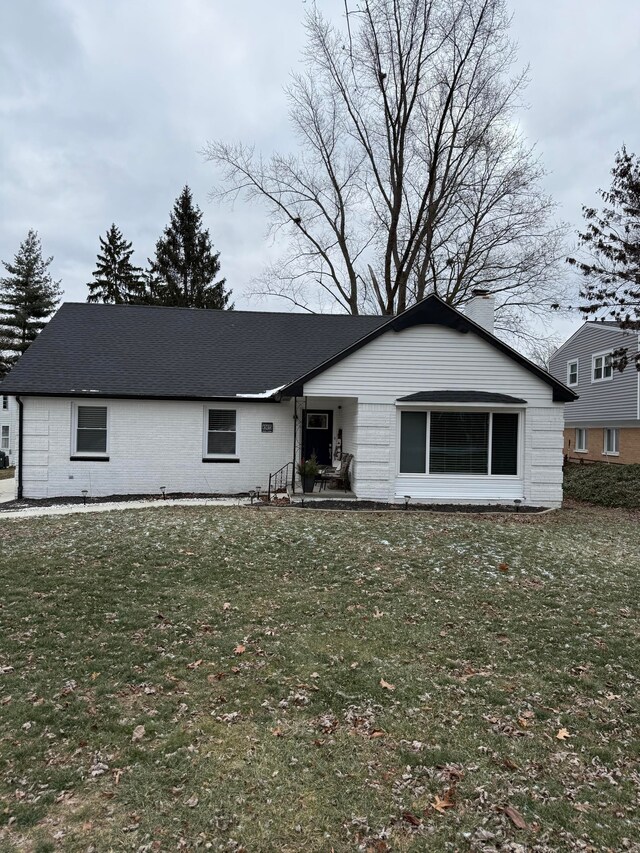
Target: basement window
{"type": "Point", "coordinates": [581, 440]}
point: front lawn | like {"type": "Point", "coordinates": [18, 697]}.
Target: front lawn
{"type": "Point", "coordinates": [234, 679]}
{"type": "Point", "coordinates": [7, 473]}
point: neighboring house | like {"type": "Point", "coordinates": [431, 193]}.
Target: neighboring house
{"type": "Point", "coordinates": [121, 399]}
{"type": "Point", "coordinates": [8, 426]}
{"type": "Point", "coordinates": [603, 424]}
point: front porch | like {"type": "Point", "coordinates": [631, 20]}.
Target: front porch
{"type": "Point", "coordinates": [318, 496]}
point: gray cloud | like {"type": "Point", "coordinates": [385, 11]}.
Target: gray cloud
{"type": "Point", "coordinates": [105, 106]}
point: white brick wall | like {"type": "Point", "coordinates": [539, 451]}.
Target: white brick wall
{"type": "Point", "coordinates": [151, 443]}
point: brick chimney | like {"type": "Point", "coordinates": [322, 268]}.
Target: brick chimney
{"type": "Point", "coordinates": [481, 308]}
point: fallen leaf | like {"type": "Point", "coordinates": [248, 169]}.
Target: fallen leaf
{"type": "Point", "coordinates": [503, 567]}
{"type": "Point", "coordinates": [195, 664]}
{"type": "Point", "coordinates": [444, 803]}
{"type": "Point", "coordinates": [192, 802]}
{"type": "Point", "coordinates": [377, 733]}
{"type": "Point", "coordinates": [515, 817]}
{"type": "Point", "coordinates": [509, 764]}
{"type": "Point", "coordinates": [563, 734]}
{"type": "Point", "coordinates": [138, 733]}
{"type": "Point", "coordinates": [411, 818]}
{"type": "Point", "coordinates": [386, 686]}
{"type": "Point", "coordinates": [276, 732]}
{"type": "Point", "coordinates": [226, 606]}
{"type": "Point", "coordinates": [217, 676]}
{"type": "Point", "coordinates": [239, 649]}
{"type": "Point", "coordinates": [378, 614]}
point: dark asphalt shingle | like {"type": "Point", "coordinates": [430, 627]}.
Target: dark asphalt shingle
{"type": "Point", "coordinates": [138, 350]}
{"type": "Point", "coordinates": [460, 397]}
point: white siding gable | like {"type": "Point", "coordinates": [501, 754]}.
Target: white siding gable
{"type": "Point", "coordinates": [435, 358]}
{"type": "Point", "coordinates": [427, 358]}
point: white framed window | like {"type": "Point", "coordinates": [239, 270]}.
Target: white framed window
{"type": "Point", "coordinates": [4, 439]}
{"type": "Point", "coordinates": [447, 442]}
{"type": "Point", "coordinates": [5, 401]}
{"type": "Point", "coordinates": [611, 442]}
{"type": "Point", "coordinates": [221, 432]}
{"type": "Point", "coordinates": [601, 367]}
{"type": "Point", "coordinates": [572, 372]}
{"type": "Point", "coordinates": [90, 431]}
{"type": "Point", "coordinates": [581, 440]}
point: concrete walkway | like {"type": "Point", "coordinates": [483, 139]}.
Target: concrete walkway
{"type": "Point", "coordinates": [70, 509]}
{"type": "Point", "coordinates": [7, 490]}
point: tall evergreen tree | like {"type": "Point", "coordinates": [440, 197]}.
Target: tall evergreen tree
{"type": "Point", "coordinates": [28, 297]}
{"type": "Point", "coordinates": [185, 266]}
{"type": "Point", "coordinates": [115, 279]}
{"type": "Point", "coordinates": [610, 252]}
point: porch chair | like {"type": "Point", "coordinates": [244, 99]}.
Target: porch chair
{"type": "Point", "coordinates": [339, 477]}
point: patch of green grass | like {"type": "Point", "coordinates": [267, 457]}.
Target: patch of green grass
{"type": "Point", "coordinates": [252, 646]}
{"type": "Point", "coordinates": [7, 473]}
{"type": "Point", "coordinates": [604, 485]}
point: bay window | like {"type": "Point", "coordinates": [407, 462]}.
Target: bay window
{"type": "Point", "coordinates": [473, 443]}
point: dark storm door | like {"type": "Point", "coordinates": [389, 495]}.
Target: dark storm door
{"type": "Point", "coordinates": [317, 435]}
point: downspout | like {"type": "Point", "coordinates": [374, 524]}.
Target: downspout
{"type": "Point", "coordinates": [20, 433]}
{"type": "Point", "coordinates": [295, 431]}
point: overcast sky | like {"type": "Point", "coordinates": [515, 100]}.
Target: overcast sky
{"type": "Point", "coordinates": [106, 104]}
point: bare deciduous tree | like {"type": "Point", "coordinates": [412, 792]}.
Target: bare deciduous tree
{"type": "Point", "coordinates": [411, 175]}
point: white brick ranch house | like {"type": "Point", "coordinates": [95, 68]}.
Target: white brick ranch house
{"type": "Point", "coordinates": [124, 399]}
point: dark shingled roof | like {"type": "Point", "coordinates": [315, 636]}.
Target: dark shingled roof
{"type": "Point", "coordinates": [144, 351]}
{"type": "Point", "coordinates": [460, 397]}
{"type": "Point", "coordinates": [187, 354]}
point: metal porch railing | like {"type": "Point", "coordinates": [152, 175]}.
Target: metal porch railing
{"type": "Point", "coordinates": [279, 480]}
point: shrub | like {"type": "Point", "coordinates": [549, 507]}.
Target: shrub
{"type": "Point", "coordinates": [606, 485]}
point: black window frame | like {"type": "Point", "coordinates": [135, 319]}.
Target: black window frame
{"type": "Point", "coordinates": [515, 454]}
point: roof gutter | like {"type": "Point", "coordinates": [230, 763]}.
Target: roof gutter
{"type": "Point", "coordinates": [20, 434]}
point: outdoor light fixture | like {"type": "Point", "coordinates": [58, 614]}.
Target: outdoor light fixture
{"type": "Point", "coordinates": [163, 489]}
{"type": "Point", "coordinates": [85, 492]}
{"type": "Point", "coordinates": [407, 498]}
{"type": "Point", "coordinates": [252, 495]}
{"type": "Point", "coordinates": [517, 502]}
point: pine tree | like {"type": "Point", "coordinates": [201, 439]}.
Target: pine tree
{"type": "Point", "coordinates": [611, 245]}
{"type": "Point", "coordinates": [185, 266]}
{"type": "Point", "coordinates": [115, 279]}
{"type": "Point", "coordinates": [28, 297]}
{"type": "Point", "coordinates": [610, 260]}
